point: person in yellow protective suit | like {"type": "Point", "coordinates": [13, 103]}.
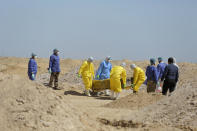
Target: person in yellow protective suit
{"type": "Point", "coordinates": [138, 78]}
{"type": "Point", "coordinates": [117, 73]}
{"type": "Point", "coordinates": [87, 73]}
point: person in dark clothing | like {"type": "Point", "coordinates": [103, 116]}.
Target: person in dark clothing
{"type": "Point", "coordinates": [170, 77]}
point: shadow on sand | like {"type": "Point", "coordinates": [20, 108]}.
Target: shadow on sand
{"type": "Point", "coordinates": [104, 98]}
{"type": "Point", "coordinates": [75, 93]}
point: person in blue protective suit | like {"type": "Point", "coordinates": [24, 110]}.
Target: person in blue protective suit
{"type": "Point", "coordinates": [152, 76]}
{"type": "Point", "coordinates": [103, 71]}
{"type": "Point", "coordinates": [32, 67]}
{"type": "Point", "coordinates": [54, 69]}
{"type": "Point", "coordinates": [161, 67]}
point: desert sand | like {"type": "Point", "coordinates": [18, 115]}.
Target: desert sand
{"type": "Point", "coordinates": [32, 106]}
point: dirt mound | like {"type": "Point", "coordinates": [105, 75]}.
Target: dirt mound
{"type": "Point", "coordinates": [2, 68]}
{"type": "Point", "coordinates": [135, 101]}
{"type": "Point", "coordinates": [178, 110]}
{"type": "Point", "coordinates": [26, 105]}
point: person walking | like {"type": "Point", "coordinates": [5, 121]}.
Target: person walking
{"type": "Point", "coordinates": [86, 71]}
{"type": "Point", "coordinates": [117, 73]}
{"type": "Point", "coordinates": [152, 76]}
{"type": "Point", "coordinates": [170, 77]}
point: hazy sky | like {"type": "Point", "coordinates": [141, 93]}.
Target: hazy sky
{"type": "Point", "coordinates": [124, 29]}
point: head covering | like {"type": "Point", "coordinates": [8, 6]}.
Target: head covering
{"type": "Point", "coordinates": [123, 64]}
{"type": "Point", "coordinates": [108, 58]}
{"type": "Point", "coordinates": [160, 59]}
{"type": "Point", "coordinates": [33, 55]}
{"type": "Point", "coordinates": [174, 60]}
{"type": "Point", "coordinates": [152, 61]}
{"type": "Point", "coordinates": [90, 59]}
{"type": "Point", "coordinates": [55, 50]}
{"type": "Point", "coordinates": [133, 66]}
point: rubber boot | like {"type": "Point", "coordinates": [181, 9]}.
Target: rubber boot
{"type": "Point", "coordinates": [87, 93]}
{"type": "Point", "coordinates": [112, 95]}
{"type": "Point", "coordinates": [98, 94]}
{"type": "Point", "coordinates": [107, 92]}
{"type": "Point", "coordinates": [117, 96]}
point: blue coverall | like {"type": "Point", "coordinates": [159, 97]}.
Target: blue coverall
{"type": "Point", "coordinates": [160, 68]}
{"type": "Point", "coordinates": [32, 69]}
{"type": "Point", "coordinates": [104, 70]}
{"type": "Point", "coordinates": [54, 63]}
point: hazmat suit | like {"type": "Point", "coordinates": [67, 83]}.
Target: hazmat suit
{"type": "Point", "coordinates": [117, 73]}
{"type": "Point", "coordinates": [32, 69]}
{"type": "Point", "coordinates": [87, 73]}
{"type": "Point", "coordinates": [104, 70]}
{"type": "Point", "coordinates": [138, 78]}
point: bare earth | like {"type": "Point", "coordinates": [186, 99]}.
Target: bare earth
{"type": "Point", "coordinates": [32, 106]}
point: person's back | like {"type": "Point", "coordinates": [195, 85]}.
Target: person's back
{"type": "Point", "coordinates": [116, 72]}
{"type": "Point", "coordinates": [141, 73]}
{"type": "Point", "coordinates": [151, 73]}
{"type": "Point", "coordinates": [152, 76]}
{"type": "Point", "coordinates": [170, 77]}
{"type": "Point", "coordinates": [160, 68]}
{"type": "Point", "coordinates": [171, 73]}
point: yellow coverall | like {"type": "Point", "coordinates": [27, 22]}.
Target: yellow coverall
{"type": "Point", "coordinates": [117, 73]}
{"type": "Point", "coordinates": [87, 72]}
{"type": "Point", "coordinates": [138, 78]}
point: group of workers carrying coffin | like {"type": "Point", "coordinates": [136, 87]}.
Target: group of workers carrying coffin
{"type": "Point", "coordinates": [113, 80]}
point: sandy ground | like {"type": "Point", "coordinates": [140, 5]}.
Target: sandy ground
{"type": "Point", "coordinates": [32, 106]}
